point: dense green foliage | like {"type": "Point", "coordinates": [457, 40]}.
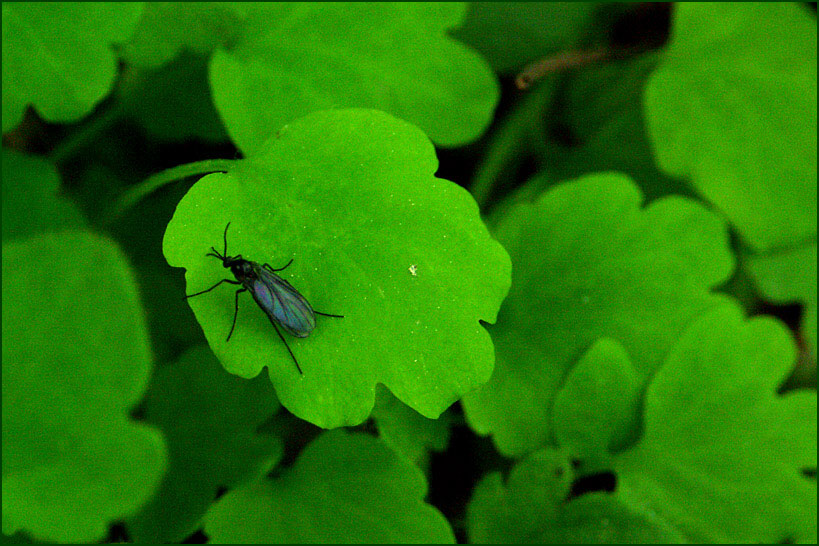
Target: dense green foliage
{"type": "Point", "coordinates": [578, 305]}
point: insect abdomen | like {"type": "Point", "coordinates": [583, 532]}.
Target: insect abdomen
{"type": "Point", "coordinates": [284, 305]}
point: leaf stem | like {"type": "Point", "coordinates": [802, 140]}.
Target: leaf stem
{"type": "Point", "coordinates": [510, 137]}
{"type": "Point", "coordinates": [85, 135]}
{"type": "Point", "coordinates": [567, 60]}
{"type": "Point", "coordinates": [136, 193]}
{"type": "Point", "coordinates": [557, 63]}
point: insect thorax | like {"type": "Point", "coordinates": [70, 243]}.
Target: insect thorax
{"type": "Point", "coordinates": [242, 270]}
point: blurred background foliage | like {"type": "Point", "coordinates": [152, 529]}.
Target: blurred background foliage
{"type": "Point", "coordinates": [708, 102]}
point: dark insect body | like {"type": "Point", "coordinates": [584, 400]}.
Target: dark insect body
{"type": "Point", "coordinates": [282, 303]}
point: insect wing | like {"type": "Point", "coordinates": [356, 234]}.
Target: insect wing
{"type": "Point", "coordinates": [283, 303]}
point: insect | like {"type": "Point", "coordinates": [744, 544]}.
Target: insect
{"type": "Point", "coordinates": [282, 303]}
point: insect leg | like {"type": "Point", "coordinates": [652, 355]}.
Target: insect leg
{"type": "Point", "coordinates": [288, 347]}
{"type": "Point", "coordinates": [235, 312]}
{"type": "Point", "coordinates": [230, 281]}
{"type": "Point", "coordinates": [269, 268]}
{"type": "Point", "coordinates": [327, 314]}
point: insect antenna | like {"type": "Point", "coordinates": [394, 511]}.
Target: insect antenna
{"type": "Point", "coordinates": [215, 253]}
{"type": "Point", "coordinates": [225, 237]}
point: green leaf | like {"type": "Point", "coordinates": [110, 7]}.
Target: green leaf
{"type": "Point", "coordinates": [350, 195]}
{"type": "Point", "coordinates": [595, 412]}
{"type": "Point", "coordinates": [789, 276]}
{"type": "Point", "coordinates": [58, 56]}
{"type": "Point", "coordinates": [344, 488]}
{"type": "Point", "coordinates": [733, 108]}
{"type": "Point", "coordinates": [31, 200]}
{"type": "Point", "coordinates": [723, 455]}
{"type": "Point", "coordinates": [173, 326]}
{"type": "Point", "coordinates": [293, 59]}
{"type": "Point", "coordinates": [75, 360]}
{"type": "Point", "coordinates": [173, 102]}
{"type": "Point", "coordinates": [168, 28]}
{"type": "Point", "coordinates": [590, 263]}
{"type": "Point", "coordinates": [209, 419]}
{"type": "Point", "coordinates": [532, 507]}
{"type": "Point", "coordinates": [604, 110]}
{"type": "Point", "coordinates": [407, 431]}
{"type": "Point", "coordinates": [510, 512]}
{"type": "Point", "coordinates": [518, 138]}
{"type": "Point", "coordinates": [512, 34]}
{"type": "Point", "coordinates": [18, 538]}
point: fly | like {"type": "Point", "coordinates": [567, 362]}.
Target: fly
{"type": "Point", "coordinates": [282, 303]}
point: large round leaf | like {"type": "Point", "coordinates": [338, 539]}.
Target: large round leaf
{"type": "Point", "coordinates": [732, 107]}
{"type": "Point", "coordinates": [168, 28]}
{"type": "Point", "coordinates": [58, 56]}
{"type": "Point", "coordinates": [534, 506]}
{"type": "Point", "coordinates": [344, 488]}
{"type": "Point", "coordinates": [724, 457]}
{"type": "Point", "coordinates": [210, 420]}
{"type": "Point", "coordinates": [296, 58]}
{"type": "Point", "coordinates": [75, 360]}
{"type": "Point", "coordinates": [31, 199]}
{"type": "Point", "coordinates": [351, 197]}
{"type": "Point", "coordinates": [590, 262]}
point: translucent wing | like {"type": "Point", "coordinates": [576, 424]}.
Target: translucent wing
{"type": "Point", "coordinates": [283, 303]}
